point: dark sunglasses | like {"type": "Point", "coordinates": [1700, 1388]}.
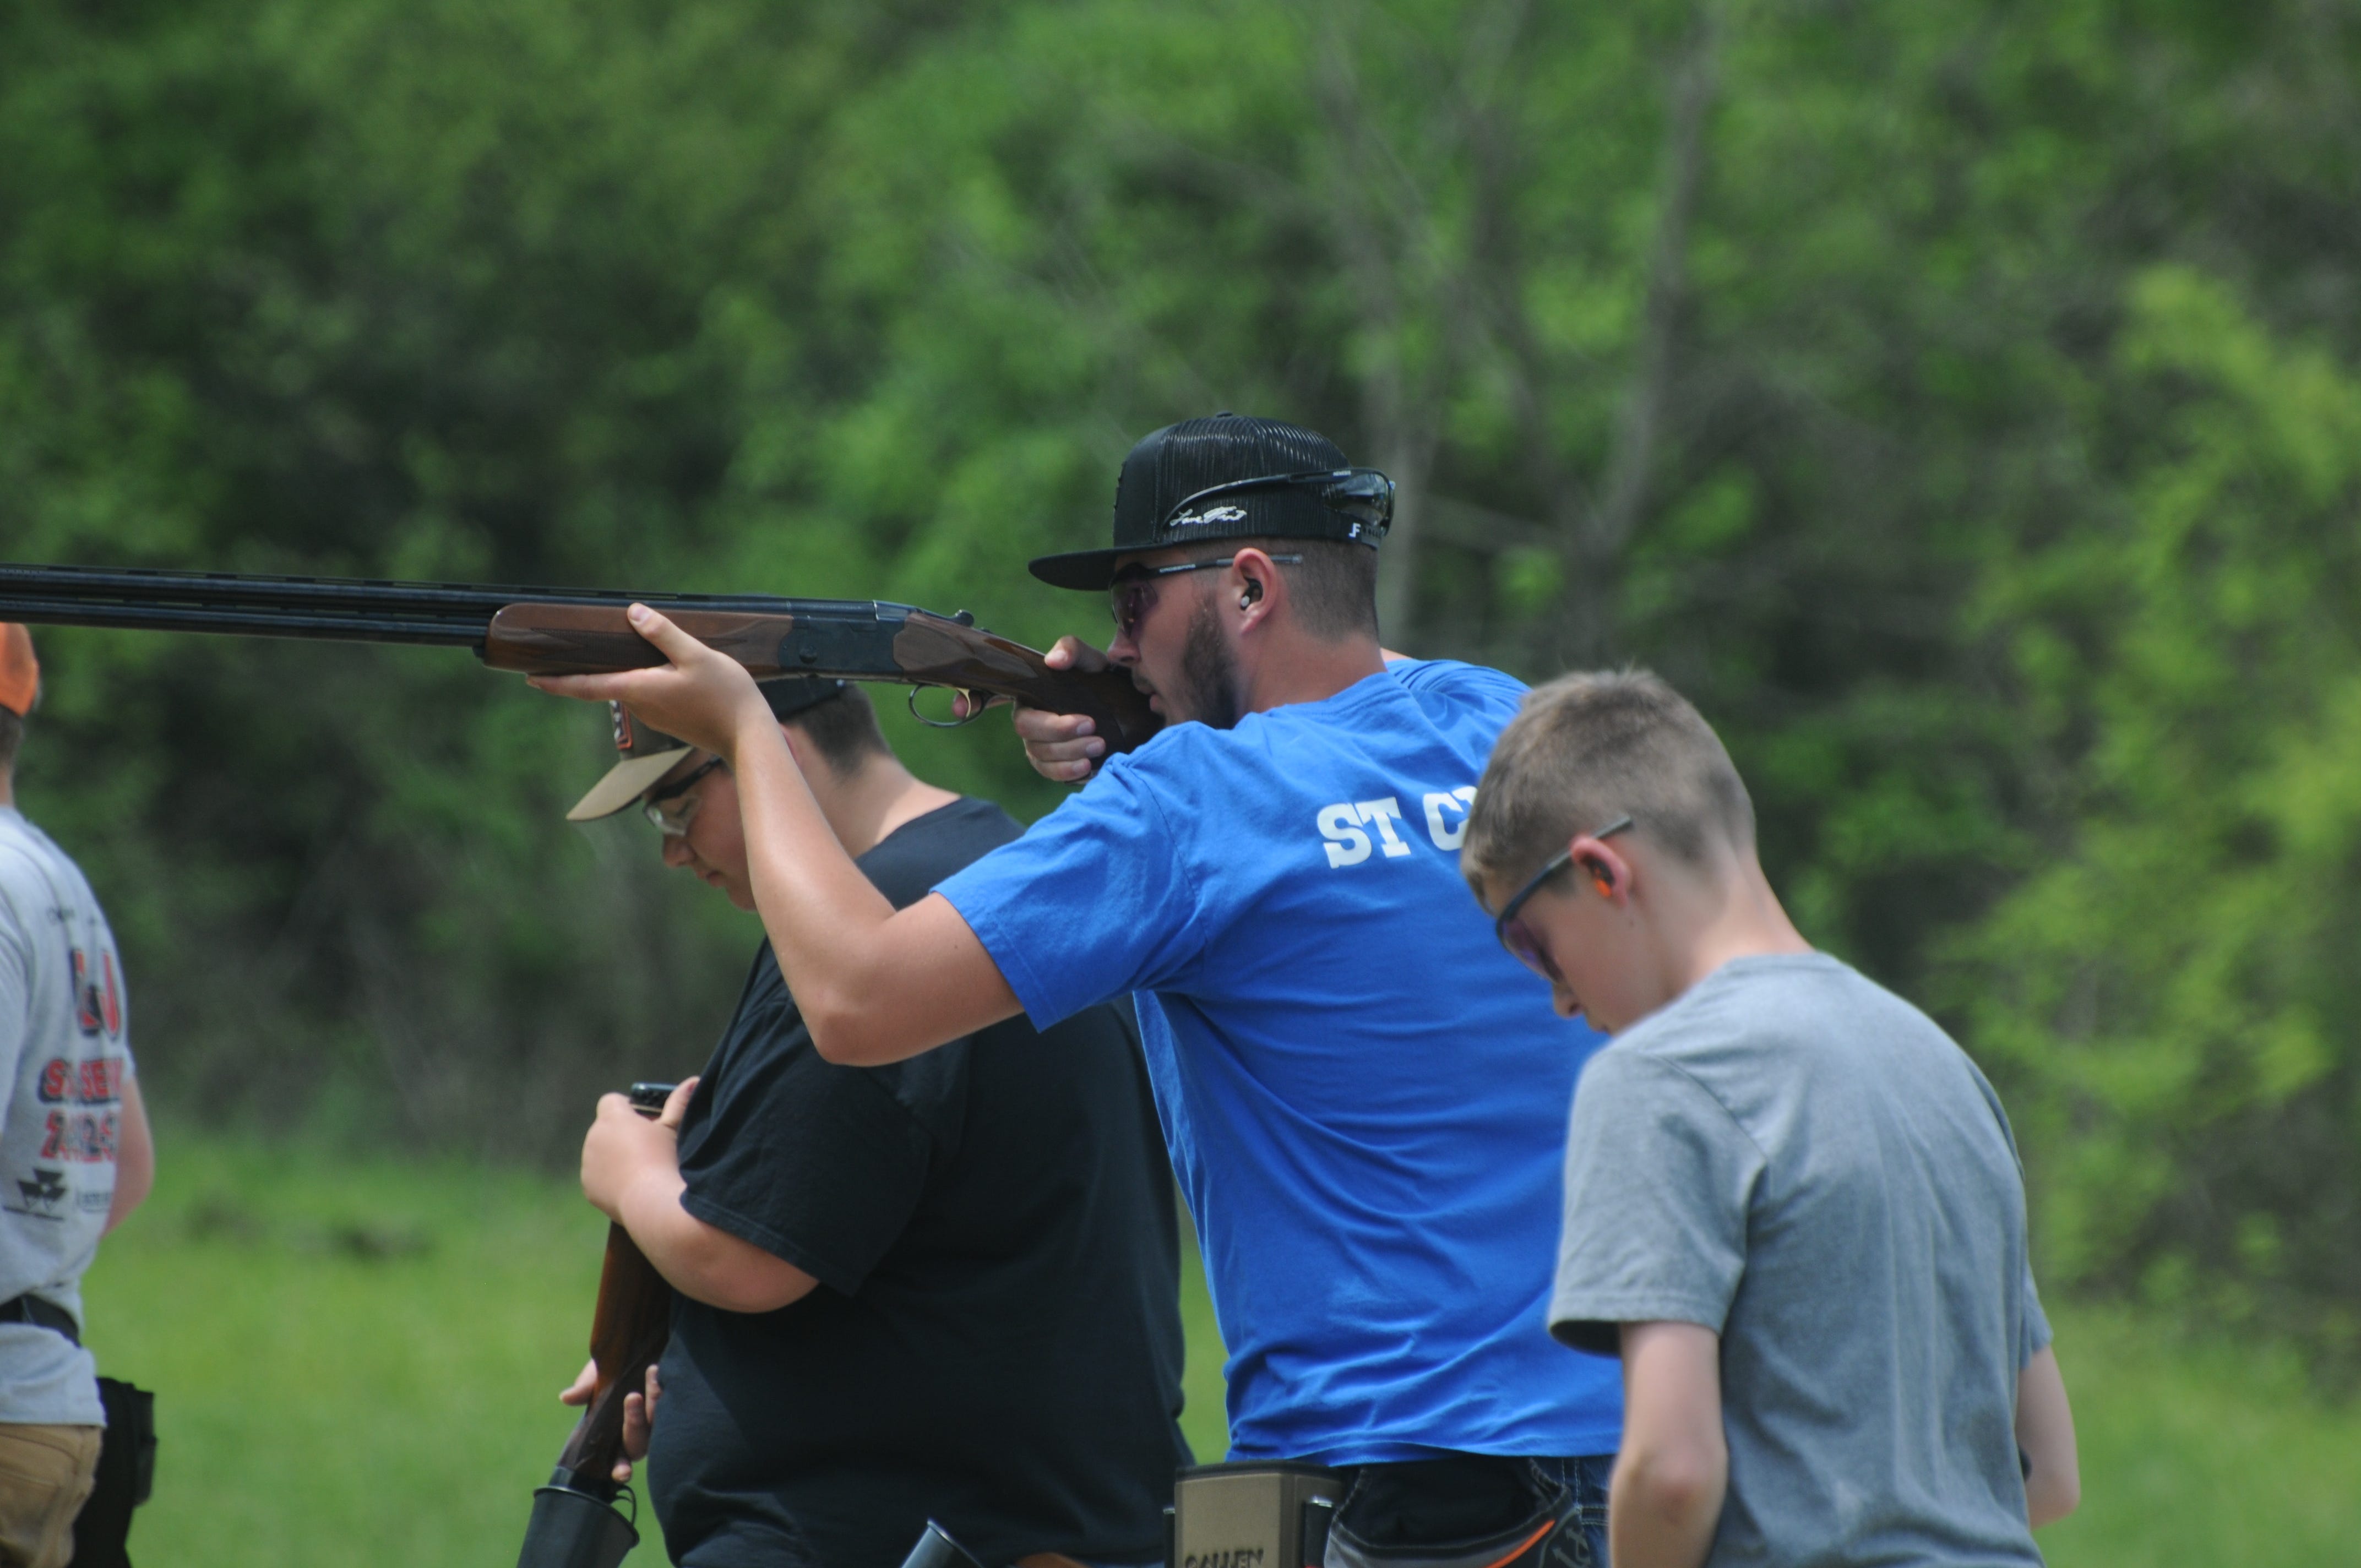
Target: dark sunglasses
{"type": "Point", "coordinates": [1133, 593]}
{"type": "Point", "coordinates": [1362, 494]}
{"type": "Point", "coordinates": [1509, 926]}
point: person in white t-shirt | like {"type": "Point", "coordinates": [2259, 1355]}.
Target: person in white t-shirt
{"type": "Point", "coordinates": [75, 1154]}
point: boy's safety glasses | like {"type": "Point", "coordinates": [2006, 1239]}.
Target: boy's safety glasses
{"type": "Point", "coordinates": [1133, 593]}
{"type": "Point", "coordinates": [1509, 926]}
{"type": "Point", "coordinates": [670, 812]}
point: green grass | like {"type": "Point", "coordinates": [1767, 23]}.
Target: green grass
{"type": "Point", "coordinates": [357, 1363]}
{"type": "Point", "coordinates": [2212, 1453]}
{"type": "Point", "coordinates": [354, 1362]}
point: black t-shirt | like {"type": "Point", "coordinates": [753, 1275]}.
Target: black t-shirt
{"type": "Point", "coordinates": [995, 1338]}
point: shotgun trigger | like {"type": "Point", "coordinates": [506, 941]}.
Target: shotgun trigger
{"type": "Point", "coordinates": [975, 701]}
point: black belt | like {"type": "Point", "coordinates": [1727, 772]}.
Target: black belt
{"type": "Point", "coordinates": [43, 1314]}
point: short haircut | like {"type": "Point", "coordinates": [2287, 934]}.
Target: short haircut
{"type": "Point", "coordinates": [12, 735]}
{"type": "Point", "coordinates": [1335, 588]}
{"type": "Point", "coordinates": [1587, 748]}
{"type": "Point", "coordinates": [844, 729]}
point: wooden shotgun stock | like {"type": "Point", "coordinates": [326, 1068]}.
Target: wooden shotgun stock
{"type": "Point", "coordinates": [627, 1332]}
{"type": "Point", "coordinates": [573, 1524]}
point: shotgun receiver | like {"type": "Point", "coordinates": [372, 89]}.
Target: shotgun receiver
{"type": "Point", "coordinates": [574, 632]}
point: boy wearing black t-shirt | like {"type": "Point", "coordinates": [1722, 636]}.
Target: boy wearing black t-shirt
{"type": "Point", "coordinates": [943, 1288]}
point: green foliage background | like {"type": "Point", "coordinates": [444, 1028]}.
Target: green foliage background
{"type": "Point", "coordinates": [1960, 401]}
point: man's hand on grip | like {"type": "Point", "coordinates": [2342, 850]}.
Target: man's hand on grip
{"type": "Point", "coordinates": [1063, 746]}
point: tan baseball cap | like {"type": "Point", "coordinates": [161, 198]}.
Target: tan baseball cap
{"type": "Point", "coordinates": [650, 754]}
{"type": "Point", "coordinates": [20, 673]}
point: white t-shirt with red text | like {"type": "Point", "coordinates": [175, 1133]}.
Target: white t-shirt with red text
{"type": "Point", "coordinates": [64, 1058]}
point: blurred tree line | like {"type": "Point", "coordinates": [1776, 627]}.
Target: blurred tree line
{"type": "Point", "coordinates": [1964, 404]}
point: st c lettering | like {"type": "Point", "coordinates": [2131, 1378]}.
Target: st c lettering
{"type": "Point", "coordinates": [1355, 831]}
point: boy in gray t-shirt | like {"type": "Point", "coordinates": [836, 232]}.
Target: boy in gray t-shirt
{"type": "Point", "coordinates": [1792, 1205]}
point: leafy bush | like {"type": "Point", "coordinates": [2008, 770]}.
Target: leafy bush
{"type": "Point", "coordinates": [2170, 992]}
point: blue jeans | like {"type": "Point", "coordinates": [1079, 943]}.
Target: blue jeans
{"type": "Point", "coordinates": [1587, 1479]}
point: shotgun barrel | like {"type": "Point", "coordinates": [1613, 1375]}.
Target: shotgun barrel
{"type": "Point", "coordinates": [339, 610]}
{"type": "Point", "coordinates": [545, 631]}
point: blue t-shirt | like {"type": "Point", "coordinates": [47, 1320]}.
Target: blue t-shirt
{"type": "Point", "coordinates": [1364, 1096]}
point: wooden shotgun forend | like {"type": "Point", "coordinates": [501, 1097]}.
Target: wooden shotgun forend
{"type": "Point", "coordinates": [592, 640]}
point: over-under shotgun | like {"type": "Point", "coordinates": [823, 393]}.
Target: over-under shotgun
{"type": "Point", "coordinates": [569, 631]}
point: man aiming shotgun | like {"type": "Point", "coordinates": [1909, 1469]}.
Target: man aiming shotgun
{"type": "Point", "coordinates": [1364, 1103]}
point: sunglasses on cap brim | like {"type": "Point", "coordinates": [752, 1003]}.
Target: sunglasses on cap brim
{"type": "Point", "coordinates": [1364, 495]}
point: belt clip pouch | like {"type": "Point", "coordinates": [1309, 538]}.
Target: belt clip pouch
{"type": "Point", "coordinates": [126, 1474]}
{"type": "Point", "coordinates": [1254, 1514]}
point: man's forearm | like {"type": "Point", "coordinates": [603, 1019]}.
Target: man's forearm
{"type": "Point", "coordinates": [873, 985]}
{"type": "Point", "coordinates": [824, 920]}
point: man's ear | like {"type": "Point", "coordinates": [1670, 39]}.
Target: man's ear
{"type": "Point", "coordinates": [1252, 587]}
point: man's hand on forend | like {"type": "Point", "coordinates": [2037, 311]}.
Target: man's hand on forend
{"type": "Point", "coordinates": [703, 697]}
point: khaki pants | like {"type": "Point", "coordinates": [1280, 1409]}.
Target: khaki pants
{"type": "Point", "coordinates": [45, 1476]}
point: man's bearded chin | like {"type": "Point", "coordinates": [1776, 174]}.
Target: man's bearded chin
{"type": "Point", "coordinates": [1209, 674]}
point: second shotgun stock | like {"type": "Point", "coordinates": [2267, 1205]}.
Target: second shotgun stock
{"type": "Point", "coordinates": [627, 1336]}
{"type": "Point", "coordinates": [867, 643]}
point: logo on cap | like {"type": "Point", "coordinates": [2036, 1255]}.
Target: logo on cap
{"type": "Point", "coordinates": [1212, 514]}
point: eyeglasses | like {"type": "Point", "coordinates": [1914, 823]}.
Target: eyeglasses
{"type": "Point", "coordinates": [673, 821]}
{"type": "Point", "coordinates": [1518, 937]}
{"type": "Point", "coordinates": [1364, 495]}
{"type": "Point", "coordinates": [1133, 593]}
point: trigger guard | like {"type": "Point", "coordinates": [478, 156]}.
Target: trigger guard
{"type": "Point", "coordinates": [975, 704]}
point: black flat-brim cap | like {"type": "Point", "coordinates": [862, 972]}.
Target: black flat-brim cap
{"type": "Point", "coordinates": [1169, 466]}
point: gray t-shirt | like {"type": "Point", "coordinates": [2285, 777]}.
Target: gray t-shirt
{"type": "Point", "coordinates": [1801, 1161]}
{"type": "Point", "coordinates": [63, 1063]}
